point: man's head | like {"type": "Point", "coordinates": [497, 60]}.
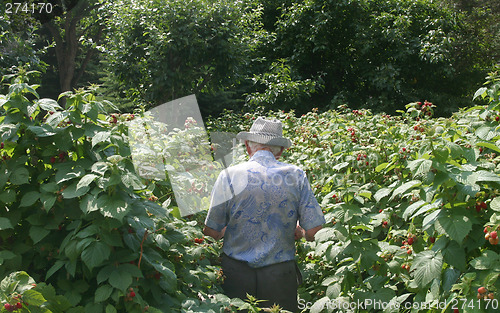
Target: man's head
{"type": "Point", "coordinates": [253, 147]}
{"type": "Point", "coordinates": [265, 135]}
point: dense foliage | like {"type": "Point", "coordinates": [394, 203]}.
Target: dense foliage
{"type": "Point", "coordinates": [411, 203]}
{"type": "Point", "coordinates": [76, 215]}
{"type": "Point", "coordinates": [279, 54]}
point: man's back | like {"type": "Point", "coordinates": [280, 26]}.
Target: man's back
{"type": "Point", "coordinates": [262, 201]}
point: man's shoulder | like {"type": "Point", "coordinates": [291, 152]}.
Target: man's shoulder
{"type": "Point", "coordinates": [290, 166]}
{"type": "Point", "coordinates": [249, 165]}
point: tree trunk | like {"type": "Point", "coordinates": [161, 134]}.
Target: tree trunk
{"type": "Point", "coordinates": [67, 47]}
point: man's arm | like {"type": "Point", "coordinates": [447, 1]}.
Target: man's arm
{"type": "Point", "coordinates": [213, 233]}
{"type": "Point", "coordinates": [311, 232]}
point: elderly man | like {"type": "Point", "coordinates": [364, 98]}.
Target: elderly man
{"type": "Point", "coordinates": [260, 207]}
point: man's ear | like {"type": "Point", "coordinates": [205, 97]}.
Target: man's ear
{"type": "Point", "coordinates": [280, 153]}
{"type": "Point", "coordinates": [249, 151]}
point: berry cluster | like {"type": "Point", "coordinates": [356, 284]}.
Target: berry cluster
{"type": "Point", "coordinates": [353, 134]}
{"type": "Point", "coordinates": [408, 243]}
{"type": "Point", "coordinates": [13, 307]}
{"type": "Point", "coordinates": [387, 256]}
{"type": "Point", "coordinates": [481, 206]}
{"type": "Point", "coordinates": [130, 295]}
{"type": "Point", "coordinates": [61, 157]}
{"type": "Point", "coordinates": [482, 293]}
{"type": "Point", "coordinates": [153, 198]}
{"type": "Point", "coordinates": [126, 117]}
{"type": "Point", "coordinates": [362, 157]}
{"type": "Point", "coordinates": [425, 108]}
{"type": "Point", "coordinates": [198, 240]}
{"type": "Point", "coordinates": [357, 112]}
{"type": "Point", "coordinates": [336, 198]}
{"type": "Point", "coordinates": [419, 128]}
{"type": "Point", "coordinates": [491, 236]}
{"type": "Point", "coordinates": [189, 122]}
{"type": "Point", "coordinates": [4, 156]}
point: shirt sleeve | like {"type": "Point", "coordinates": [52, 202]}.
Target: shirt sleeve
{"type": "Point", "coordinates": [310, 213]}
{"type": "Point", "coordinates": [218, 213]}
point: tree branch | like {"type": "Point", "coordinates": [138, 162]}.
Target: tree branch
{"type": "Point", "coordinates": [88, 56]}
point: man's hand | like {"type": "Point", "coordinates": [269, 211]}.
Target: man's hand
{"type": "Point", "coordinates": [299, 232]}
{"type": "Point", "coordinates": [213, 233]}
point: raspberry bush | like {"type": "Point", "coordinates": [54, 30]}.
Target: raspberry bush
{"type": "Point", "coordinates": [411, 203]}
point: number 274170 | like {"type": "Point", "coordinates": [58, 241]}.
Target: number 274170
{"type": "Point", "coordinates": [475, 304]}
{"type": "Point", "coordinates": [20, 7]}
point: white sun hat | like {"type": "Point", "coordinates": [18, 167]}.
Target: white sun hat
{"type": "Point", "coordinates": [267, 132]}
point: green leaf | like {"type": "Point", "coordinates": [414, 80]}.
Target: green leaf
{"type": "Point", "coordinates": [104, 273]}
{"type": "Point", "coordinates": [320, 305]}
{"type": "Point", "coordinates": [488, 145]}
{"type": "Point", "coordinates": [381, 193]}
{"type": "Point", "coordinates": [420, 166]}
{"type": "Point", "coordinates": [89, 231]}
{"type": "Point", "coordinates": [131, 180]}
{"type": "Point", "coordinates": [37, 233]}
{"type": "Point", "coordinates": [486, 176]}
{"type": "Point", "coordinates": [120, 279]}
{"type": "Point", "coordinates": [110, 309]}
{"type": "Point", "coordinates": [486, 261]}
{"type": "Point", "coordinates": [29, 198]}
{"type": "Point", "coordinates": [20, 176]}
{"type": "Point", "coordinates": [6, 255]}
{"type": "Point", "coordinates": [486, 133]}
{"type": "Point", "coordinates": [102, 293]}
{"type": "Point", "coordinates": [33, 298]}
{"type": "Point", "coordinates": [5, 223]}
{"type": "Point", "coordinates": [131, 269]}
{"type": "Point", "coordinates": [8, 196]}
{"type": "Point", "coordinates": [99, 167]}
{"type": "Point", "coordinates": [456, 227]}
{"type": "Point", "coordinates": [113, 206]}
{"type": "Point", "coordinates": [450, 277]}
{"type": "Point", "coordinates": [95, 254]}
{"type": "Point", "coordinates": [7, 131]}
{"type": "Point", "coordinates": [426, 267]}
{"type": "Point", "coordinates": [454, 255]}
{"type": "Point", "coordinates": [495, 204]}
{"type": "Point", "coordinates": [72, 191]}
{"type": "Point", "coordinates": [49, 105]}
{"type": "Point", "coordinates": [67, 173]}
{"type": "Point", "coordinates": [381, 167]}
{"type": "Point", "coordinates": [54, 268]}
{"type": "Point", "coordinates": [412, 208]}
{"type": "Point", "coordinates": [49, 187]}
{"type": "Point", "coordinates": [481, 92]}
{"type": "Point", "coordinates": [48, 200]}
{"type": "Point", "coordinates": [100, 137]}
{"type": "Point", "coordinates": [42, 131]}
{"type": "Point", "coordinates": [441, 154]}
{"type": "Point", "coordinates": [88, 203]}
{"type": "Point", "coordinates": [93, 308]}
{"type": "Point", "coordinates": [405, 187]}
{"type": "Point", "coordinates": [86, 180]}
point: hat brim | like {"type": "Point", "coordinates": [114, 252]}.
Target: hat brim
{"type": "Point", "coordinates": [265, 140]}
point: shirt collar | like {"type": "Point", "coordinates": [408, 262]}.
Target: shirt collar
{"type": "Point", "coordinates": [263, 155]}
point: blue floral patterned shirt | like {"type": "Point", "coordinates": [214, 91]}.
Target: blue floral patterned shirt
{"type": "Point", "coordinates": [260, 202]}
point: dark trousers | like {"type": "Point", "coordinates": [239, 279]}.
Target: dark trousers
{"type": "Point", "coordinates": [276, 283]}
